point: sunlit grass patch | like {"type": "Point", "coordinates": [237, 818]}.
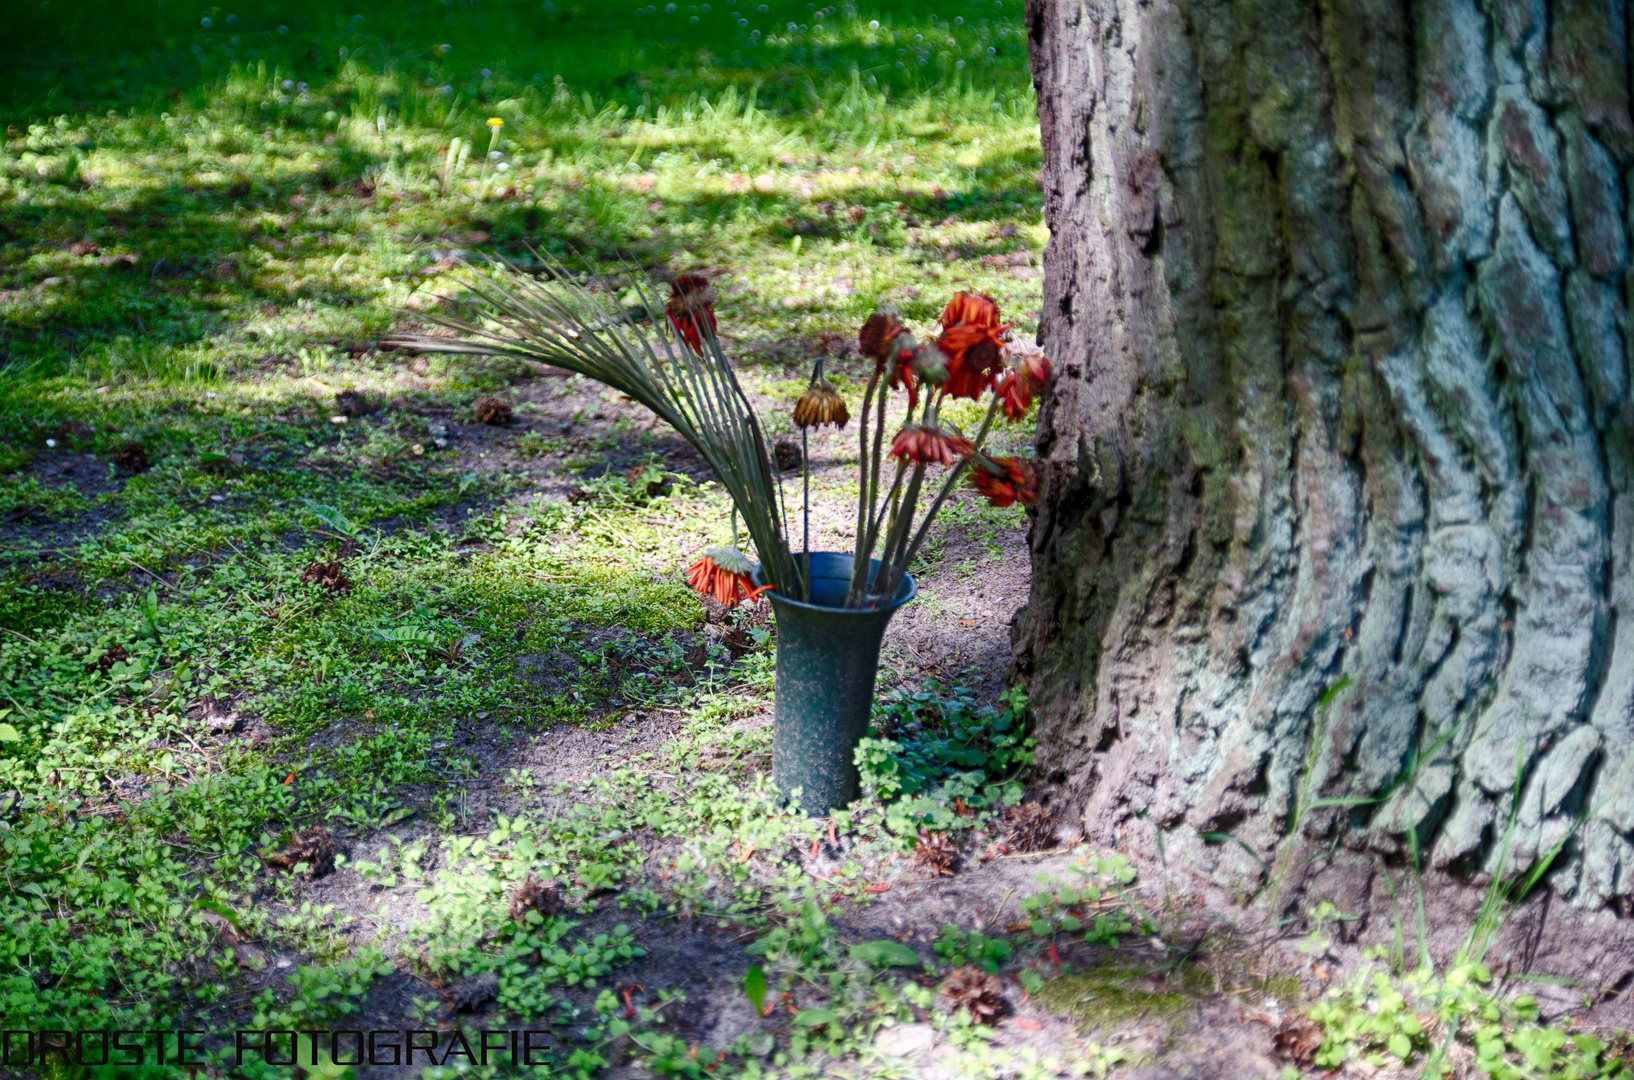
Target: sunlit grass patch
{"type": "Point", "coordinates": [314, 188]}
{"type": "Point", "coordinates": [235, 610]}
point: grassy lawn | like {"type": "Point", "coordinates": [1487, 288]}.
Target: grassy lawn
{"type": "Point", "coordinates": [326, 705]}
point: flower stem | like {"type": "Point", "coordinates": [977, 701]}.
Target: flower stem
{"type": "Point", "coordinates": [865, 545]}
{"type": "Point", "coordinates": [805, 514]}
{"type": "Point", "coordinates": [951, 482]}
{"type": "Point", "coordinates": [890, 568]}
{"type": "Point", "coordinates": [862, 454]}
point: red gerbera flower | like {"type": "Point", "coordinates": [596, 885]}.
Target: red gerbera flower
{"type": "Point", "coordinates": [1021, 382]}
{"type": "Point", "coordinates": [1006, 481]}
{"type": "Point", "coordinates": [974, 360]}
{"type": "Point", "coordinates": [969, 309]}
{"type": "Point", "coordinates": [972, 337]}
{"type": "Point", "coordinates": [884, 339]}
{"type": "Point", "coordinates": [1017, 391]}
{"type": "Point", "coordinates": [926, 445]}
{"type": "Point", "coordinates": [902, 375]}
{"type": "Point", "coordinates": [726, 574]}
{"type": "Point", "coordinates": [691, 304]}
{"type": "Point", "coordinates": [878, 333]}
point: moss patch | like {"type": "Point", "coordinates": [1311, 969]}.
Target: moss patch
{"type": "Point", "coordinates": [1107, 997]}
{"type": "Point", "coordinates": [1286, 989]}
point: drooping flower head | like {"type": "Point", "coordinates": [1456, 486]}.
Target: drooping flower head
{"type": "Point", "coordinates": [690, 306]}
{"type": "Point", "coordinates": [1016, 392]}
{"type": "Point", "coordinates": [973, 368]}
{"type": "Point", "coordinates": [972, 338]}
{"type": "Point", "coordinates": [901, 371]}
{"type": "Point", "coordinates": [820, 405]}
{"type": "Point", "coordinates": [1006, 481]}
{"type": "Point", "coordinates": [969, 309]}
{"type": "Point", "coordinates": [1029, 376]}
{"type": "Point", "coordinates": [879, 332]}
{"type": "Point", "coordinates": [726, 574]}
{"type": "Point", "coordinates": [927, 444]}
{"type": "Point", "coordinates": [1035, 364]}
{"type": "Point", "coordinates": [891, 346]}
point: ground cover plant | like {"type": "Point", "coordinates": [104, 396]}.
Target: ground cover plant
{"type": "Point", "coordinates": [345, 687]}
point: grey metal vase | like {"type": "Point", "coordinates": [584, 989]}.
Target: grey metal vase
{"type": "Point", "coordinates": [827, 658]}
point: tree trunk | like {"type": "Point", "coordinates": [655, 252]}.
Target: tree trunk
{"type": "Point", "coordinates": [1337, 297]}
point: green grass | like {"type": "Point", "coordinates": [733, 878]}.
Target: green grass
{"type": "Point", "coordinates": [204, 232]}
{"type": "Point", "coordinates": [240, 225]}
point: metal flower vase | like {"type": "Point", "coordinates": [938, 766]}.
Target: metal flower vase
{"type": "Point", "coordinates": [827, 659]}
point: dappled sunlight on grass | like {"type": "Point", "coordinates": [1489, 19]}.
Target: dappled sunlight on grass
{"type": "Point", "coordinates": [278, 196]}
{"type": "Point", "coordinates": [276, 600]}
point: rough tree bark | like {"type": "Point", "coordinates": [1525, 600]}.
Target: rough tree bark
{"type": "Point", "coordinates": [1337, 293]}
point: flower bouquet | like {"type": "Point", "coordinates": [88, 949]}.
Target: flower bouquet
{"type": "Point", "coordinates": [831, 608]}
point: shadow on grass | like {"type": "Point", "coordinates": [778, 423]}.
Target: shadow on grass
{"type": "Point", "coordinates": [187, 263]}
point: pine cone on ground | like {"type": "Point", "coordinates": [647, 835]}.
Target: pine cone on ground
{"type": "Point", "coordinates": [331, 575]}
{"type": "Point", "coordinates": [491, 411]}
{"type": "Point", "coordinates": [107, 660]}
{"type": "Point", "coordinates": [935, 852]}
{"type": "Point", "coordinates": [131, 458]}
{"type": "Point", "coordinates": [469, 995]}
{"type": "Point", "coordinates": [974, 989]}
{"type": "Point", "coordinates": [1030, 827]}
{"type": "Point", "coordinates": [534, 895]}
{"type": "Point", "coordinates": [354, 403]}
{"type": "Point", "coordinates": [788, 455]}
{"type": "Point", "coordinates": [1297, 1039]}
{"type": "Point", "coordinates": [315, 847]}
{"type": "Point", "coordinates": [635, 477]}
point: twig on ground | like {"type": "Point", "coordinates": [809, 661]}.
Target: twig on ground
{"type": "Point", "coordinates": [148, 572]}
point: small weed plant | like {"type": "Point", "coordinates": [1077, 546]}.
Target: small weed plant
{"type": "Point", "coordinates": [935, 754]}
{"type": "Point", "coordinates": [1453, 1024]}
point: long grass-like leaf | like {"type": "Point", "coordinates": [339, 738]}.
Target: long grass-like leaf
{"type": "Point", "coordinates": [553, 321]}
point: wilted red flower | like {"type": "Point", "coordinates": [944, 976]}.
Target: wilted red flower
{"type": "Point", "coordinates": [972, 337]}
{"type": "Point", "coordinates": [1017, 391]}
{"type": "Point", "coordinates": [1021, 382]}
{"type": "Point", "coordinates": [820, 405]}
{"type": "Point", "coordinates": [725, 573]}
{"type": "Point", "coordinates": [902, 374]}
{"type": "Point", "coordinates": [878, 332]}
{"type": "Point", "coordinates": [974, 361]}
{"type": "Point", "coordinates": [691, 304]}
{"type": "Point", "coordinates": [1006, 481]}
{"type": "Point", "coordinates": [1036, 365]}
{"type": "Point", "coordinates": [927, 445]}
{"type": "Point", "coordinates": [967, 309]}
